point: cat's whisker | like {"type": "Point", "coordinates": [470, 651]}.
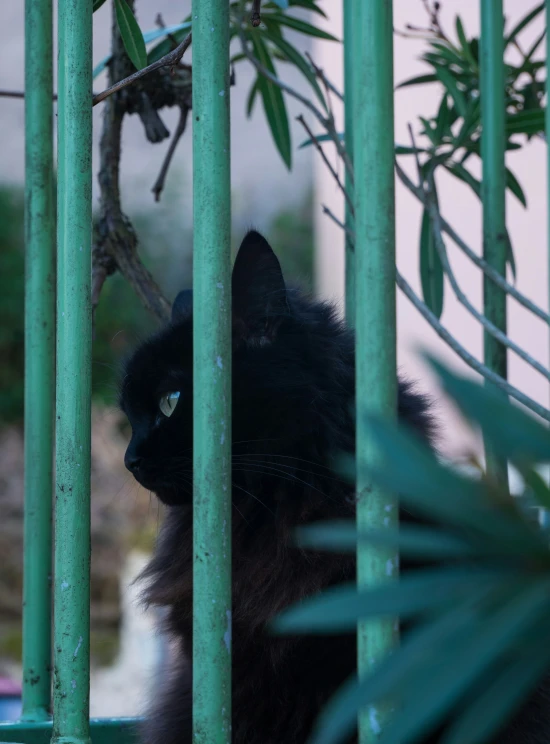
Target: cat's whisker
{"type": "Point", "coordinates": [254, 497]}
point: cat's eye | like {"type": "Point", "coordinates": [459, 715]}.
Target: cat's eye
{"type": "Point", "coordinates": [168, 403]}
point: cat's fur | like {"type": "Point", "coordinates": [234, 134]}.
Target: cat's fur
{"type": "Point", "coordinates": [293, 388]}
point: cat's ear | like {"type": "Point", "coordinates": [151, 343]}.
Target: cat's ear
{"type": "Point", "coordinates": [258, 290]}
{"type": "Point", "coordinates": [183, 306]}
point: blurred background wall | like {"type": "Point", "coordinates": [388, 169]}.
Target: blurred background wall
{"type": "Point", "coordinates": [287, 206]}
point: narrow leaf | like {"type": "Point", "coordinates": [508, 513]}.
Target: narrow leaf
{"type": "Point", "coordinates": [310, 5]}
{"type": "Point", "coordinates": [513, 184]}
{"type": "Point", "coordinates": [410, 541]}
{"type": "Point", "coordinates": [460, 172]}
{"type": "Point", "coordinates": [431, 268]}
{"type": "Point", "coordinates": [456, 669]}
{"type": "Point", "coordinates": [449, 82]}
{"type": "Point", "coordinates": [526, 122]}
{"type": "Point", "coordinates": [297, 25]}
{"type": "Point", "coordinates": [525, 21]}
{"type": "Point", "coordinates": [416, 592]}
{"type": "Point", "coordinates": [418, 80]}
{"type": "Point", "coordinates": [251, 98]}
{"type": "Point", "coordinates": [130, 32]}
{"type": "Point", "coordinates": [464, 42]}
{"type": "Point", "coordinates": [274, 104]}
{"type": "Point", "coordinates": [321, 138]}
{"type": "Point", "coordinates": [339, 718]}
{"type": "Point", "coordinates": [496, 704]}
{"type": "Point", "coordinates": [294, 56]}
{"type": "Point", "coordinates": [513, 434]}
{"type": "Point", "coordinates": [283, 4]}
{"type": "Point", "coordinates": [97, 5]}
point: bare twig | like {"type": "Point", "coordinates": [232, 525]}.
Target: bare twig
{"type": "Point", "coordinates": [435, 221]}
{"type": "Point", "coordinates": [338, 222]}
{"type": "Point", "coordinates": [171, 59]}
{"type": "Point", "coordinates": [470, 360]}
{"type": "Point", "coordinates": [327, 125]}
{"type": "Point", "coordinates": [320, 73]}
{"type": "Point", "coordinates": [487, 269]}
{"type": "Point", "coordinates": [159, 183]}
{"type": "Point", "coordinates": [331, 168]}
{"type": "Point", "coordinates": [115, 241]}
{"type": "Point", "coordinates": [255, 18]}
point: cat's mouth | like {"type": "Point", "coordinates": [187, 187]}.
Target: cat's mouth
{"type": "Point", "coordinates": [163, 489]}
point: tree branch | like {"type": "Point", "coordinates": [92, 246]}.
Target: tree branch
{"type": "Point", "coordinates": [171, 59]}
{"type": "Point", "coordinates": [159, 183]}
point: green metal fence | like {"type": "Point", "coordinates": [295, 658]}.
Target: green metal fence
{"type": "Point", "coordinates": [370, 279]}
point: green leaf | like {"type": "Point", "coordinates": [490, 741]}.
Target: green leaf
{"type": "Point", "coordinates": [130, 32]}
{"type": "Point", "coordinates": [339, 609]}
{"type": "Point", "coordinates": [465, 46]}
{"type": "Point", "coordinates": [283, 4]}
{"type": "Point", "coordinates": [418, 80]}
{"type": "Point", "coordinates": [310, 5]}
{"type": "Point", "coordinates": [410, 540]}
{"type": "Point", "coordinates": [297, 25]}
{"type": "Point", "coordinates": [431, 268]}
{"type": "Point", "coordinates": [525, 122]}
{"type": "Point", "coordinates": [252, 98]}
{"type": "Point", "coordinates": [447, 676]}
{"type": "Point", "coordinates": [460, 172]}
{"type": "Point", "coordinates": [449, 82]}
{"type": "Point", "coordinates": [294, 56]}
{"type": "Point", "coordinates": [321, 138]}
{"type": "Point", "coordinates": [97, 5]}
{"type": "Point", "coordinates": [339, 717]}
{"type": "Point", "coordinates": [513, 434]}
{"type": "Point", "coordinates": [403, 150]}
{"type": "Point", "coordinates": [411, 470]}
{"type": "Point", "coordinates": [525, 21]}
{"type": "Point", "coordinates": [513, 184]}
{"type": "Point", "coordinates": [535, 45]}
{"type": "Point", "coordinates": [166, 46]}
{"type": "Point", "coordinates": [442, 122]}
{"type": "Point", "coordinates": [497, 703]}
{"type": "Point", "coordinates": [273, 101]}
{"type": "Point", "coordinates": [538, 486]}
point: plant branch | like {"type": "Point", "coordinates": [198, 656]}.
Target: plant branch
{"type": "Point", "coordinates": [435, 221]}
{"type": "Point", "coordinates": [171, 59]}
{"type": "Point", "coordinates": [115, 241]}
{"type": "Point", "coordinates": [332, 170]}
{"type": "Point", "coordinates": [487, 373]}
{"type": "Point", "coordinates": [326, 123]}
{"type": "Point", "coordinates": [495, 277]}
{"type": "Point", "coordinates": [159, 183]}
{"type": "Point", "coordinates": [320, 73]}
{"type": "Point", "coordinates": [338, 222]}
{"type": "Point", "coordinates": [256, 18]}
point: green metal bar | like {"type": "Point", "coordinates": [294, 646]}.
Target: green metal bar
{"type": "Point", "coordinates": [493, 189]}
{"type": "Point", "coordinates": [72, 488]}
{"type": "Point", "coordinates": [39, 358]}
{"type": "Point", "coordinates": [103, 731]}
{"type": "Point", "coordinates": [375, 314]}
{"type": "Point", "coordinates": [348, 128]}
{"type": "Point", "coordinates": [212, 375]}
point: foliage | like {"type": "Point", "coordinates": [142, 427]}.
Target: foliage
{"type": "Point", "coordinates": [454, 134]}
{"type": "Point", "coordinates": [268, 42]}
{"type": "Point", "coordinates": [11, 303]}
{"type": "Point", "coordinates": [120, 319]}
{"type": "Point", "coordinates": [479, 598]}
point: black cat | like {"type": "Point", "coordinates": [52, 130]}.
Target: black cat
{"type": "Point", "coordinates": [293, 389]}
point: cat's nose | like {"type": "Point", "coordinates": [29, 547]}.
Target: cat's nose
{"type": "Point", "coordinates": [132, 462]}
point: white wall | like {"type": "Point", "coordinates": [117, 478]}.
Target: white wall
{"type": "Point", "coordinates": [460, 208]}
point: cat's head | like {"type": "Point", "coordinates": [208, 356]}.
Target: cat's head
{"type": "Point", "coordinates": [281, 347]}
